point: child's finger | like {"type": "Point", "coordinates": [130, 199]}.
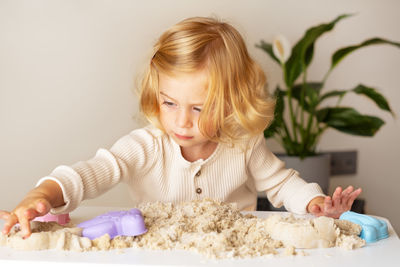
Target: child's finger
{"type": "Point", "coordinates": [39, 209]}
{"type": "Point", "coordinates": [25, 226]}
{"type": "Point", "coordinates": [7, 228]}
{"type": "Point", "coordinates": [348, 190]}
{"type": "Point", "coordinates": [42, 208]}
{"type": "Point", "coordinates": [31, 214]}
{"type": "Point", "coordinates": [353, 196]}
{"type": "Point", "coordinates": [336, 198]}
{"type": "Point", "coordinates": [4, 214]}
{"type": "Point", "coordinates": [327, 203]}
{"type": "Point", "coordinates": [10, 220]}
{"type": "Point", "coordinates": [315, 209]}
{"type": "Point", "coordinates": [346, 194]}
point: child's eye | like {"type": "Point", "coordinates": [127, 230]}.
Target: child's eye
{"type": "Point", "coordinates": [169, 104]}
{"type": "Point", "coordinates": [197, 109]}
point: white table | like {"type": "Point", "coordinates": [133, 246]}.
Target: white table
{"type": "Point", "coordinates": [382, 253]}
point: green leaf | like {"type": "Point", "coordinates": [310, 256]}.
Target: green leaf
{"type": "Point", "coordinates": [335, 93]}
{"type": "Point", "coordinates": [288, 146]}
{"type": "Point", "coordinates": [271, 130]}
{"type": "Point", "coordinates": [312, 90]}
{"type": "Point", "coordinates": [348, 120]}
{"type": "Point", "coordinates": [278, 121]}
{"type": "Point", "coordinates": [343, 52]}
{"type": "Point", "coordinates": [372, 94]}
{"type": "Point", "coordinates": [309, 54]}
{"type": "Point", "coordinates": [302, 52]}
{"type": "Point", "coordinates": [267, 47]}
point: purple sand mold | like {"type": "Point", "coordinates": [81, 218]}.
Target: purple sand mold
{"type": "Point", "coordinates": [114, 223]}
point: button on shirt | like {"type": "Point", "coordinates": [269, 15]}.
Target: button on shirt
{"type": "Point", "coordinates": [197, 182]}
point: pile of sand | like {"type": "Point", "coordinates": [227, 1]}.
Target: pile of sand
{"type": "Point", "coordinates": [215, 229]}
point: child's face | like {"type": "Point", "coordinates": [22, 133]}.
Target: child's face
{"type": "Point", "coordinates": [181, 99]}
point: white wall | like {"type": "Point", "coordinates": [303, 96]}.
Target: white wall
{"type": "Point", "coordinates": [67, 69]}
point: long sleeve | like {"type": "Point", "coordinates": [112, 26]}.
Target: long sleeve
{"type": "Point", "coordinates": [282, 186]}
{"type": "Point", "coordinates": [128, 158]}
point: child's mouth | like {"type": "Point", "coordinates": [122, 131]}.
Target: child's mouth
{"type": "Point", "coordinates": [182, 137]}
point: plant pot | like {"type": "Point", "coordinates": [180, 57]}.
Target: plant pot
{"type": "Point", "coordinates": [314, 169]}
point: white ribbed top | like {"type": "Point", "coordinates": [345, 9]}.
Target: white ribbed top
{"type": "Point", "coordinates": [152, 166]}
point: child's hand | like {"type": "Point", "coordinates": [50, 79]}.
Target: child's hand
{"type": "Point", "coordinates": [34, 205]}
{"type": "Point", "coordinates": [37, 203]}
{"type": "Point", "coordinates": [341, 201]}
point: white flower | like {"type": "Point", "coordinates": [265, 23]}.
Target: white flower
{"type": "Point", "coordinates": [281, 48]}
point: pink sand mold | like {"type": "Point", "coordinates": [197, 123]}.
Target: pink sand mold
{"type": "Point", "coordinates": [59, 218]}
{"type": "Point", "coordinates": [114, 223]}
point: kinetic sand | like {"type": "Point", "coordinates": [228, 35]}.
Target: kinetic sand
{"type": "Point", "coordinates": [215, 229]}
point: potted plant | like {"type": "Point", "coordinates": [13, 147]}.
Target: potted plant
{"type": "Point", "coordinates": [300, 117]}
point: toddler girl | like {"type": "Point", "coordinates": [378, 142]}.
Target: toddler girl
{"type": "Point", "coordinates": [205, 100]}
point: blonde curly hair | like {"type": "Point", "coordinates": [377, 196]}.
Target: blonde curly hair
{"type": "Point", "coordinates": [237, 105]}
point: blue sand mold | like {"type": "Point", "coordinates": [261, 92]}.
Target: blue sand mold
{"type": "Point", "coordinates": [372, 229]}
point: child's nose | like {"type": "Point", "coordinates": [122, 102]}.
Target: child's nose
{"type": "Point", "coordinates": [183, 119]}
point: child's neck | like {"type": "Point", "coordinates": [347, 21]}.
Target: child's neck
{"type": "Point", "coordinates": [194, 153]}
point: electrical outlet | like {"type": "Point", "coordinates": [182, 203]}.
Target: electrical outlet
{"type": "Point", "coordinates": [343, 162]}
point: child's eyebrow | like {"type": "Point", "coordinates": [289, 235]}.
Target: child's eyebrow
{"type": "Point", "coordinates": [164, 94]}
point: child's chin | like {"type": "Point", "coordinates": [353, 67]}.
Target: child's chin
{"type": "Point", "coordinates": [184, 143]}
